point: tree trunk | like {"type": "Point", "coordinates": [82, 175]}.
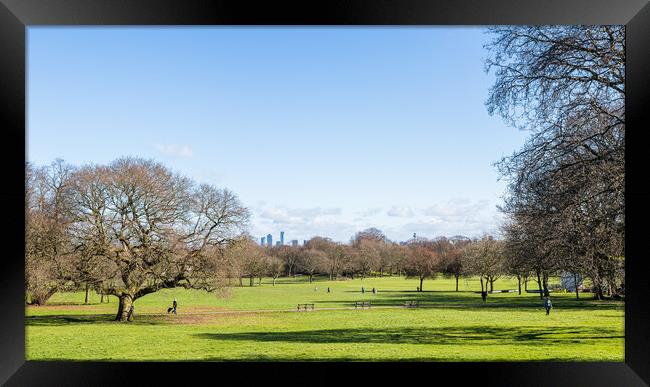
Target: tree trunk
{"type": "Point", "coordinates": [599, 292]}
{"type": "Point", "coordinates": [250, 280]}
{"type": "Point", "coordinates": [575, 283]}
{"type": "Point", "coordinates": [87, 287]}
{"type": "Point", "coordinates": [457, 281]}
{"type": "Point", "coordinates": [539, 284]}
{"type": "Point", "coordinates": [41, 298]}
{"type": "Point", "coordinates": [101, 300]}
{"type": "Point", "coordinates": [597, 287]}
{"type": "Point", "coordinates": [273, 281]}
{"type": "Point", "coordinates": [260, 281]}
{"type": "Point", "coordinates": [519, 283]}
{"type": "Point", "coordinates": [609, 289]}
{"type": "Point", "coordinates": [126, 301]}
{"type": "Point", "coordinates": [491, 284]}
{"type": "Point", "coordinates": [526, 283]}
{"type": "Point", "coordinates": [240, 282]}
{"type": "Point", "coordinates": [481, 277]}
{"type": "Point", "coordinates": [421, 280]}
{"type": "Point", "coordinates": [545, 282]}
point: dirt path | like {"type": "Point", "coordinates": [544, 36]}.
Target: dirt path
{"type": "Point", "coordinates": [219, 312]}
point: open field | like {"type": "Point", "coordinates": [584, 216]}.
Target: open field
{"type": "Point", "coordinates": [260, 323]}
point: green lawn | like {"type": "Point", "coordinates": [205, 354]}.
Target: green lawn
{"type": "Point", "coordinates": [449, 325]}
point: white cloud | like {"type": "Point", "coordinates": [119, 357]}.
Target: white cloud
{"type": "Point", "coordinates": [454, 217]}
{"type": "Point", "coordinates": [297, 215]}
{"type": "Point", "coordinates": [301, 223]}
{"type": "Point", "coordinates": [332, 211]}
{"type": "Point", "coordinates": [369, 212]}
{"type": "Point", "coordinates": [400, 212]}
{"type": "Point", "coordinates": [458, 209]}
{"type": "Point", "coordinates": [174, 150]}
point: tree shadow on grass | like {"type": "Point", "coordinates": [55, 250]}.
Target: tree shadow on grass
{"type": "Point", "coordinates": [64, 320]}
{"type": "Point", "coordinates": [470, 300]}
{"type": "Point", "coordinates": [449, 335]}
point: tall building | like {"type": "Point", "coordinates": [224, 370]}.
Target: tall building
{"type": "Point", "coordinates": [294, 243]}
{"type": "Point", "coordinates": [262, 240]}
{"type": "Point", "coordinates": [269, 240]}
{"type": "Point", "coordinates": [282, 237]}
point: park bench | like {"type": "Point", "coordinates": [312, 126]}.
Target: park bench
{"type": "Point", "coordinates": [305, 306]}
{"type": "Point", "coordinates": [411, 304]}
{"type": "Point", "coordinates": [362, 304]}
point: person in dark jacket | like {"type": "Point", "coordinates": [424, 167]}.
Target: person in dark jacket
{"type": "Point", "coordinates": [174, 305]}
{"type": "Point", "coordinates": [548, 305]}
{"type": "Point", "coordinates": [484, 296]}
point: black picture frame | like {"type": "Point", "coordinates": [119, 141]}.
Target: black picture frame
{"type": "Point", "coordinates": [17, 15]}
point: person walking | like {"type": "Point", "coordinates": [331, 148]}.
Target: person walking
{"type": "Point", "coordinates": [363, 290]}
{"type": "Point", "coordinates": [174, 305]}
{"type": "Point", "coordinates": [374, 291]}
{"type": "Point", "coordinates": [548, 305]}
{"type": "Point", "coordinates": [328, 289]}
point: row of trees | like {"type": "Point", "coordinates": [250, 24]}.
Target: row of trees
{"type": "Point", "coordinates": [370, 253]}
{"type": "Point", "coordinates": [565, 202]}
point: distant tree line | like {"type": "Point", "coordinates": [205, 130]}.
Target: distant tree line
{"type": "Point", "coordinates": [371, 254]}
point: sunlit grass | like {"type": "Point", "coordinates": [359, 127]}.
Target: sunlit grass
{"type": "Point", "coordinates": [449, 325]}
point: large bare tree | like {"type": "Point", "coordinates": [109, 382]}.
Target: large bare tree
{"type": "Point", "coordinates": [566, 85]}
{"type": "Point", "coordinates": [150, 228]}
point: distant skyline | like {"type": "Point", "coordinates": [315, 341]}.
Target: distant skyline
{"type": "Point", "coordinates": [319, 130]}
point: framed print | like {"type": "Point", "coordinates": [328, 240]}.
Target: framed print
{"type": "Point", "coordinates": [338, 190]}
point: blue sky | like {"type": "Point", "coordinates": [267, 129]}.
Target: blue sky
{"type": "Point", "coordinates": [319, 130]}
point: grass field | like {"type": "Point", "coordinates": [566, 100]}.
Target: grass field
{"type": "Point", "coordinates": [260, 323]}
